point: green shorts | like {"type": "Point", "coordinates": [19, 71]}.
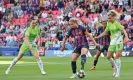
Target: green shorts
{"type": "Point", "coordinates": [114, 48]}
{"type": "Point", "coordinates": [24, 49]}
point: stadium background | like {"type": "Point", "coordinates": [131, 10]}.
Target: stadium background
{"type": "Point", "coordinates": [53, 16]}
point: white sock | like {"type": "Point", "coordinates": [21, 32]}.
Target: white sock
{"type": "Point", "coordinates": [40, 64]}
{"type": "Point", "coordinates": [13, 62]}
{"type": "Point", "coordinates": [112, 61]}
{"type": "Point", "coordinates": [74, 74]}
{"type": "Point", "coordinates": [118, 63]}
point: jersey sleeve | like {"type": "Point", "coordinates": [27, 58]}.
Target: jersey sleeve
{"type": "Point", "coordinates": [83, 29]}
{"type": "Point", "coordinates": [120, 26]}
{"type": "Point", "coordinates": [27, 33]}
{"type": "Point", "coordinates": [69, 33]}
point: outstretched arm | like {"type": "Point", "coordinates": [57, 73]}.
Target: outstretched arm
{"type": "Point", "coordinates": [63, 44]}
{"type": "Point", "coordinates": [39, 42]}
{"type": "Point", "coordinates": [126, 36]}
{"type": "Point", "coordinates": [123, 31]}
{"type": "Point", "coordinates": [88, 34]}
{"type": "Point", "coordinates": [39, 38]}
{"type": "Point", "coordinates": [101, 35]}
{"type": "Point", "coordinates": [65, 39]}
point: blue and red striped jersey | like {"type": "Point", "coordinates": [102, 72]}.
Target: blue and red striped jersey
{"type": "Point", "coordinates": [79, 36]}
{"type": "Point", "coordinates": [104, 41]}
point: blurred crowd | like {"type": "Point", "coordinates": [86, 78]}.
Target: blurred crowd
{"type": "Point", "coordinates": [53, 17]}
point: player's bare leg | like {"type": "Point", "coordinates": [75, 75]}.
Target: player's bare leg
{"type": "Point", "coordinates": [73, 64]}
{"type": "Point", "coordinates": [40, 63]}
{"type": "Point", "coordinates": [15, 60]}
{"type": "Point", "coordinates": [96, 60]}
{"type": "Point", "coordinates": [112, 65]}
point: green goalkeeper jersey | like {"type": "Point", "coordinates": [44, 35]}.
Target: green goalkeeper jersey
{"type": "Point", "coordinates": [115, 30]}
{"type": "Point", "coordinates": [32, 33]}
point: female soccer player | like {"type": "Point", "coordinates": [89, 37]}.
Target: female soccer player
{"type": "Point", "coordinates": [104, 43]}
{"type": "Point", "coordinates": [81, 44]}
{"type": "Point", "coordinates": [116, 43]}
{"type": "Point", "coordinates": [32, 32]}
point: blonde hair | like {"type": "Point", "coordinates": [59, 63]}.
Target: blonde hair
{"type": "Point", "coordinates": [114, 13]}
{"type": "Point", "coordinates": [75, 20]}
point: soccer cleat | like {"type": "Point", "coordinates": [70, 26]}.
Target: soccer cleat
{"type": "Point", "coordinates": [73, 76]}
{"type": "Point", "coordinates": [115, 71]}
{"type": "Point", "coordinates": [93, 68]}
{"type": "Point", "coordinates": [43, 72]}
{"type": "Point", "coordinates": [117, 74]}
{"type": "Point", "coordinates": [7, 71]}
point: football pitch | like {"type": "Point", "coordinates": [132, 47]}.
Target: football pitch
{"type": "Point", "coordinates": [59, 68]}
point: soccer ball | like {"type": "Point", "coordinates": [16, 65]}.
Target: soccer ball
{"type": "Point", "coordinates": [81, 74]}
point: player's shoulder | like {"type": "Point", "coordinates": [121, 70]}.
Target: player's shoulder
{"type": "Point", "coordinates": [100, 27]}
{"type": "Point", "coordinates": [37, 27]}
{"type": "Point", "coordinates": [28, 28]}
{"type": "Point", "coordinates": [117, 22]}
{"type": "Point", "coordinates": [81, 27]}
{"type": "Point", "coordinates": [70, 29]}
{"type": "Point", "coordinates": [108, 23]}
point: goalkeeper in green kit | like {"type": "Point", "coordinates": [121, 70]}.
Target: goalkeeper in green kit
{"type": "Point", "coordinates": [32, 32]}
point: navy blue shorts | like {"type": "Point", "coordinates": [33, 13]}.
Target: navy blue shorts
{"type": "Point", "coordinates": [103, 48]}
{"type": "Point", "coordinates": [78, 49]}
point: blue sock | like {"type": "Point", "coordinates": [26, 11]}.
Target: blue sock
{"type": "Point", "coordinates": [83, 61]}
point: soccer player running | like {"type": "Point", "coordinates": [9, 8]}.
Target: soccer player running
{"type": "Point", "coordinates": [104, 43]}
{"type": "Point", "coordinates": [32, 32]}
{"type": "Point", "coordinates": [116, 43]}
{"type": "Point", "coordinates": [81, 44]}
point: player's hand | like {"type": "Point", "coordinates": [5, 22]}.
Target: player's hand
{"type": "Point", "coordinates": [126, 39]}
{"type": "Point", "coordinates": [62, 48]}
{"type": "Point", "coordinates": [97, 45]}
{"type": "Point", "coordinates": [96, 38]}
{"type": "Point", "coordinates": [30, 49]}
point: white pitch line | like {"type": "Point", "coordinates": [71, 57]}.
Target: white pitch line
{"type": "Point", "coordinates": [65, 63]}
{"type": "Point", "coordinates": [32, 63]}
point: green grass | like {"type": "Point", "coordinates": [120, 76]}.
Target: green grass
{"type": "Point", "coordinates": [59, 68]}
